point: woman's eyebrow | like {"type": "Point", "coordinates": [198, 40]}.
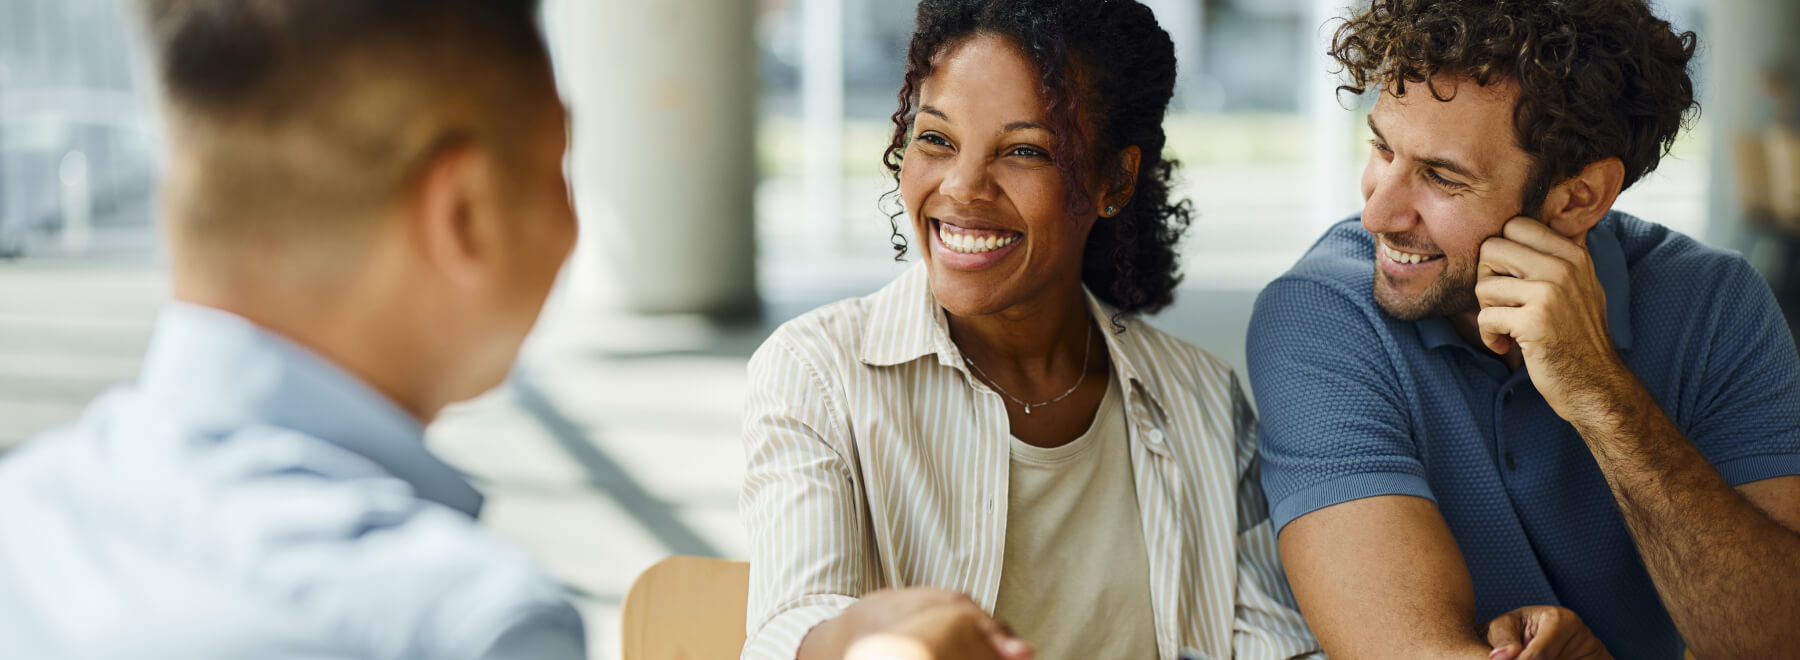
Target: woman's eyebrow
{"type": "Point", "coordinates": [1027, 126]}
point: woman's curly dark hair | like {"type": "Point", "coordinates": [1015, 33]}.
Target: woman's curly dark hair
{"type": "Point", "coordinates": [1108, 66]}
{"type": "Point", "coordinates": [1597, 78]}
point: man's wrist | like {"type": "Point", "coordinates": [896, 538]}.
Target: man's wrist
{"type": "Point", "coordinates": [1611, 402]}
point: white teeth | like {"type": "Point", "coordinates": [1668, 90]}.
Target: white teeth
{"type": "Point", "coordinates": [971, 244]}
{"type": "Point", "coordinates": [1403, 257]}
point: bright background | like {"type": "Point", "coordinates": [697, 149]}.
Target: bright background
{"type": "Point", "coordinates": [726, 159]}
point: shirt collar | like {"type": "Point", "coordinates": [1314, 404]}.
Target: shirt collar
{"type": "Point", "coordinates": [906, 323]}
{"type": "Point", "coordinates": [1615, 279]}
{"type": "Point", "coordinates": [224, 372]}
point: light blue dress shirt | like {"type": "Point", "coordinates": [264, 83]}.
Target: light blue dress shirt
{"type": "Point", "coordinates": [248, 499]}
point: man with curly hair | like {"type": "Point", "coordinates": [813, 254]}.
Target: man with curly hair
{"type": "Point", "coordinates": [1492, 395]}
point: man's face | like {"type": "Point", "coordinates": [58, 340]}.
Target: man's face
{"type": "Point", "coordinates": [539, 232]}
{"type": "Point", "coordinates": [1443, 177]}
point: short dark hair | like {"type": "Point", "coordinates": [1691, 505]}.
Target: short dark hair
{"type": "Point", "coordinates": [1597, 78]}
{"type": "Point", "coordinates": [1105, 65]}
{"type": "Point", "coordinates": [328, 103]}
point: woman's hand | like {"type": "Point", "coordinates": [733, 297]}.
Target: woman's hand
{"type": "Point", "coordinates": [919, 623]}
{"type": "Point", "coordinates": [1543, 633]}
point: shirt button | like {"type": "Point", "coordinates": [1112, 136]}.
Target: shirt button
{"type": "Point", "coordinates": [1154, 436]}
{"type": "Point", "coordinates": [1506, 397]}
{"type": "Point", "coordinates": [1512, 461]}
{"type": "Point", "coordinates": [990, 504]}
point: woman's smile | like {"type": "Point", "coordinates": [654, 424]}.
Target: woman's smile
{"type": "Point", "coordinates": [961, 244]}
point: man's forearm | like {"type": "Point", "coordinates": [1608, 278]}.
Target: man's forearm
{"type": "Point", "coordinates": [1712, 555]}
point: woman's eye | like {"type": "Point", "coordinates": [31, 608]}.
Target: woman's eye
{"type": "Point", "coordinates": [934, 140]}
{"type": "Point", "coordinates": [1381, 147]}
{"type": "Point", "coordinates": [1029, 152]}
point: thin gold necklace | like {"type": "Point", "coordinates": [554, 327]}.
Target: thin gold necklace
{"type": "Point", "coordinates": [1087, 347]}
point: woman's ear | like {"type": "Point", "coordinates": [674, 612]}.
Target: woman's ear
{"type": "Point", "coordinates": [1575, 205]}
{"type": "Point", "coordinates": [1122, 183]}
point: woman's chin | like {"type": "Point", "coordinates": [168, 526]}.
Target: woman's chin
{"type": "Point", "coordinates": [960, 297]}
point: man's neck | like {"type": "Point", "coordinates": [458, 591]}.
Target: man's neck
{"type": "Point", "coordinates": [345, 332]}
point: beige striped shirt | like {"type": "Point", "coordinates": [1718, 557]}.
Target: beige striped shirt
{"type": "Point", "coordinates": [876, 460]}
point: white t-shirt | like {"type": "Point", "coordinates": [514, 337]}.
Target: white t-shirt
{"type": "Point", "coordinates": [1076, 579]}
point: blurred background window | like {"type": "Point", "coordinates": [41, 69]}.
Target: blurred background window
{"type": "Point", "coordinates": [76, 161]}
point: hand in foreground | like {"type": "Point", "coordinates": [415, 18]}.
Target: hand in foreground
{"type": "Point", "coordinates": [1539, 293]}
{"type": "Point", "coordinates": [944, 633]}
{"type": "Point", "coordinates": [919, 623]}
{"type": "Point", "coordinates": [1542, 632]}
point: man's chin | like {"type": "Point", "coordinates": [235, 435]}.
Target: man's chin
{"type": "Point", "coordinates": [1441, 299]}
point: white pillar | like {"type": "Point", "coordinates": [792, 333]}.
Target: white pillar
{"type": "Point", "coordinates": [822, 116]}
{"type": "Point", "coordinates": [662, 164]}
{"type": "Point", "coordinates": [77, 202]}
{"type": "Point", "coordinates": [1334, 187]}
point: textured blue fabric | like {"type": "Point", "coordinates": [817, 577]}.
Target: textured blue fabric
{"type": "Point", "coordinates": [1357, 404]}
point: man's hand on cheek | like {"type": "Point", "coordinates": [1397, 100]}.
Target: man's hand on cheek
{"type": "Point", "coordinates": [1539, 294]}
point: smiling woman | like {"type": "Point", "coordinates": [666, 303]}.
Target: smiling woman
{"type": "Point", "coordinates": [994, 451]}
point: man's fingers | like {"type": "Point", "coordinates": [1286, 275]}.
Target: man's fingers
{"type": "Point", "coordinates": [1000, 636]}
{"type": "Point", "coordinates": [1497, 327]}
{"type": "Point", "coordinates": [1503, 291]}
{"type": "Point", "coordinates": [1540, 237]}
{"type": "Point", "coordinates": [1503, 634]}
{"type": "Point", "coordinates": [1504, 256]}
{"type": "Point", "coordinates": [1558, 632]}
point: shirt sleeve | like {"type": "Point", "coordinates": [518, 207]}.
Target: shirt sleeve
{"type": "Point", "coordinates": [1335, 425]}
{"type": "Point", "coordinates": [1747, 420]}
{"type": "Point", "coordinates": [550, 634]}
{"type": "Point", "coordinates": [1267, 623]}
{"type": "Point", "coordinates": [810, 547]}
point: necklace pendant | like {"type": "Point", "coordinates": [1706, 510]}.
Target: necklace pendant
{"type": "Point", "coordinates": [1027, 408]}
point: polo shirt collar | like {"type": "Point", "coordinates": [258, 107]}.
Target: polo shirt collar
{"type": "Point", "coordinates": [1615, 279]}
{"type": "Point", "coordinates": [906, 323]}
{"type": "Point", "coordinates": [223, 372]}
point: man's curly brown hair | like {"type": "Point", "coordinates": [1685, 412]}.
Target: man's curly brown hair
{"type": "Point", "coordinates": [1597, 78]}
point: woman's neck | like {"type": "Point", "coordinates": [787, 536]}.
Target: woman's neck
{"type": "Point", "coordinates": [1041, 339]}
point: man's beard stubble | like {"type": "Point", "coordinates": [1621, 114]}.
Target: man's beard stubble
{"type": "Point", "coordinates": [1452, 294]}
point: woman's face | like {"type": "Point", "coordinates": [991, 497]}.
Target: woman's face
{"type": "Point", "coordinates": [982, 187]}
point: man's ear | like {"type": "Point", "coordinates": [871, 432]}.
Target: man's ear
{"type": "Point", "coordinates": [440, 221]}
{"type": "Point", "coordinates": [1575, 205]}
{"type": "Point", "coordinates": [1121, 183]}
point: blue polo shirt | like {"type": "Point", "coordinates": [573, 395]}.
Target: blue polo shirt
{"type": "Point", "coordinates": [1357, 404]}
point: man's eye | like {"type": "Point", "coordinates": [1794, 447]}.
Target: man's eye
{"type": "Point", "coordinates": [1441, 181]}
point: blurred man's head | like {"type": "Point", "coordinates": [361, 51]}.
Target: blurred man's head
{"type": "Point", "coordinates": [341, 165]}
{"type": "Point", "coordinates": [1489, 110]}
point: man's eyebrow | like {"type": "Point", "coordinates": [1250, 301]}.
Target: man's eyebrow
{"type": "Point", "coordinates": [1438, 162]}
